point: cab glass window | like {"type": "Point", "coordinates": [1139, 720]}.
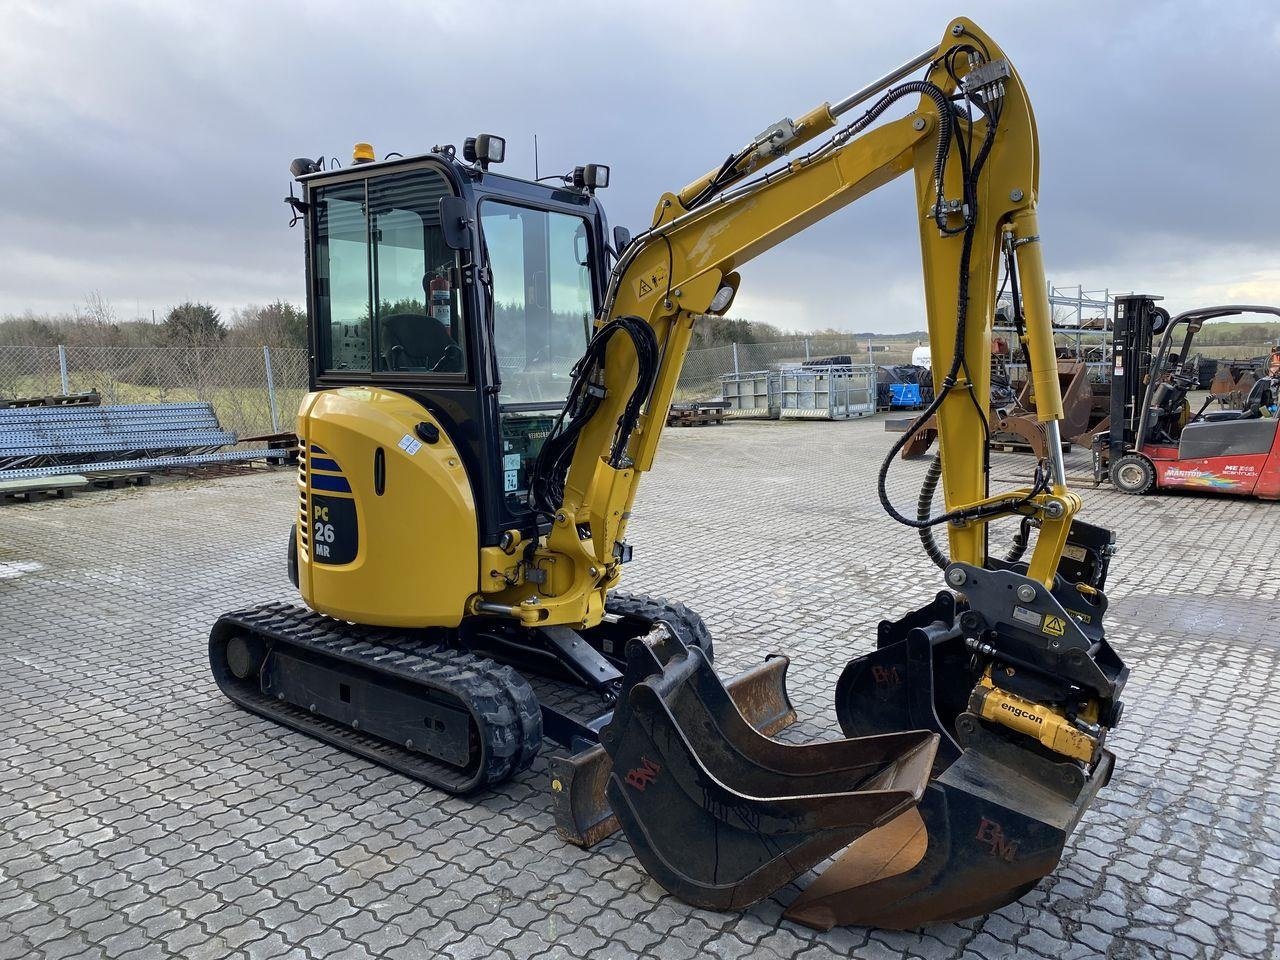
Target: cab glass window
{"type": "Point", "coordinates": [342, 277]}
{"type": "Point", "coordinates": [387, 291]}
{"type": "Point", "coordinates": [542, 299]}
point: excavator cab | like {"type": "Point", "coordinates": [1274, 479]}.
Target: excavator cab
{"type": "Point", "coordinates": [466, 291]}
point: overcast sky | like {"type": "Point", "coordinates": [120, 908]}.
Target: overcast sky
{"type": "Point", "coordinates": [146, 145]}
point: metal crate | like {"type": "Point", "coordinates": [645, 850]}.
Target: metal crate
{"type": "Point", "coordinates": [751, 394]}
{"type": "Point", "coordinates": [827, 393]}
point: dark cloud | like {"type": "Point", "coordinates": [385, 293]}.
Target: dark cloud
{"type": "Point", "coordinates": [147, 144]}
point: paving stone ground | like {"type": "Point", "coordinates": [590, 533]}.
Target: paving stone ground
{"type": "Point", "coordinates": [143, 816]}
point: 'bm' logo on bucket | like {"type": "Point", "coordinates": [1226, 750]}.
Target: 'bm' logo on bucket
{"type": "Point", "coordinates": [640, 777]}
{"type": "Point", "coordinates": [992, 834]}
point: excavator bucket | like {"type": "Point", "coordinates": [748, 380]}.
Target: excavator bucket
{"type": "Point", "coordinates": [722, 815]}
{"type": "Point", "coordinates": [983, 835]}
{"type": "Point", "coordinates": [994, 819]}
{"type": "Point", "coordinates": [1020, 430]}
{"type": "Point", "coordinates": [578, 782]}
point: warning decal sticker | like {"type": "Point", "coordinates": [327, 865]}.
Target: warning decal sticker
{"type": "Point", "coordinates": [652, 281]}
{"type": "Point", "coordinates": [1054, 626]}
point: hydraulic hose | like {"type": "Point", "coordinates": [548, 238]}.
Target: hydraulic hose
{"type": "Point", "coordinates": [971, 175]}
{"type": "Point", "coordinates": [924, 507]}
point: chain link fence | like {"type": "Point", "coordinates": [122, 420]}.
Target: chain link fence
{"type": "Point", "coordinates": [700, 376]}
{"type": "Point", "coordinates": [253, 391]}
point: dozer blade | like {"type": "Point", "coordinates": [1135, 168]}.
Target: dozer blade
{"type": "Point", "coordinates": [722, 815]}
{"type": "Point", "coordinates": [579, 782]}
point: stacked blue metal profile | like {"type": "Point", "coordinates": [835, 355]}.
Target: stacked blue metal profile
{"type": "Point", "coordinates": [50, 441]}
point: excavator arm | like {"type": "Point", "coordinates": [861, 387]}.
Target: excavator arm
{"type": "Point", "coordinates": [976, 728]}
{"type": "Point", "coordinates": [687, 265]}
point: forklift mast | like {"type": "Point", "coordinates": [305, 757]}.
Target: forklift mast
{"type": "Point", "coordinates": [1137, 321]}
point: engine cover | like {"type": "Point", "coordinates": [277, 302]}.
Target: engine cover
{"type": "Point", "coordinates": [387, 522]}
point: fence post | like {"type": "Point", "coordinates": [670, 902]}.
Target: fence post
{"type": "Point", "coordinates": [62, 369]}
{"type": "Point", "coordinates": [806, 349]}
{"type": "Point", "coordinates": [271, 390]}
{"type": "Point", "coordinates": [735, 357]}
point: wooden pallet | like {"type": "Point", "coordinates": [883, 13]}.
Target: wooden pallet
{"type": "Point", "coordinates": [114, 481]}
{"type": "Point", "coordinates": [31, 489]}
{"type": "Point", "coordinates": [698, 416]}
{"type": "Point", "coordinates": [286, 440]}
{"type": "Point", "coordinates": [1002, 447]}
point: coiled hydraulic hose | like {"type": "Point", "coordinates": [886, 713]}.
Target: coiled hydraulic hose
{"type": "Point", "coordinates": [924, 507]}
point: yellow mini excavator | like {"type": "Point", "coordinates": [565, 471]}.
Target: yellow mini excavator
{"type": "Point", "coordinates": [491, 370]}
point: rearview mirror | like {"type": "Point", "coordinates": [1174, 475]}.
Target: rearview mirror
{"type": "Point", "coordinates": [621, 237]}
{"type": "Point", "coordinates": [455, 225]}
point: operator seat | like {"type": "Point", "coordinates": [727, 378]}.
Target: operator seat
{"type": "Point", "coordinates": [414, 341]}
{"type": "Point", "coordinates": [1166, 407]}
{"type": "Point", "coordinates": [1261, 396]}
{"type": "Point", "coordinates": [417, 341]}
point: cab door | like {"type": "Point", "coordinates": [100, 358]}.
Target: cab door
{"type": "Point", "coordinates": [543, 293]}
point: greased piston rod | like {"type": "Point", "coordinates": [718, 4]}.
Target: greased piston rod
{"type": "Point", "coordinates": [884, 83]}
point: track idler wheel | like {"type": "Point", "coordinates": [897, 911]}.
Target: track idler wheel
{"type": "Point", "coordinates": [244, 654]}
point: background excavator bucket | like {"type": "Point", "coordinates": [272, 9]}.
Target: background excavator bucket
{"type": "Point", "coordinates": [721, 815]}
{"type": "Point", "coordinates": [994, 819]}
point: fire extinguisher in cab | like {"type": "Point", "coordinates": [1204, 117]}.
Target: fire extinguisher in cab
{"type": "Point", "coordinates": [441, 300]}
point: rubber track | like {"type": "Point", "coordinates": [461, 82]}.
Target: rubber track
{"type": "Point", "coordinates": [501, 703]}
{"type": "Point", "coordinates": [685, 623]}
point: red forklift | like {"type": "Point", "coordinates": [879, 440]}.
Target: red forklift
{"type": "Point", "coordinates": [1154, 441]}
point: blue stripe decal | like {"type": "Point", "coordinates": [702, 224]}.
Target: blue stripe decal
{"type": "Point", "coordinates": [324, 463]}
{"type": "Point", "coordinates": [320, 481]}
{"type": "Point", "coordinates": [315, 449]}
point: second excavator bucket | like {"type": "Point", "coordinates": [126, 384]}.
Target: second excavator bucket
{"type": "Point", "coordinates": [993, 821]}
{"type": "Point", "coordinates": [722, 815]}
{"type": "Point", "coordinates": [983, 835]}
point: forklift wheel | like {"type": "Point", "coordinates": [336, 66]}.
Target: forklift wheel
{"type": "Point", "coordinates": [1133, 473]}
